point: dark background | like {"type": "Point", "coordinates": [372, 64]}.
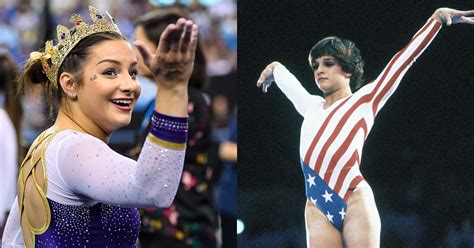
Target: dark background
{"type": "Point", "coordinates": [419, 156]}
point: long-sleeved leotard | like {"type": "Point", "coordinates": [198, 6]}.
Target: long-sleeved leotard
{"type": "Point", "coordinates": [92, 191]}
{"type": "Point", "coordinates": [332, 139]}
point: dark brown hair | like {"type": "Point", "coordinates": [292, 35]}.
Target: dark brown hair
{"type": "Point", "coordinates": [346, 54]}
{"type": "Point", "coordinates": [8, 71]}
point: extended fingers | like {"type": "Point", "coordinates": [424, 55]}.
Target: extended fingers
{"type": "Point", "coordinates": [264, 75]}
{"type": "Point", "coordinates": [187, 35]}
{"type": "Point", "coordinates": [456, 16]}
{"type": "Point", "coordinates": [265, 86]}
{"type": "Point", "coordinates": [462, 17]}
{"type": "Point", "coordinates": [179, 37]}
{"type": "Point", "coordinates": [166, 38]}
{"type": "Point", "coordinates": [467, 20]}
{"type": "Point", "coordinates": [171, 37]}
{"type": "Point", "coordinates": [261, 78]}
{"type": "Point", "coordinates": [144, 51]}
{"type": "Point", "coordinates": [194, 38]}
{"type": "Point", "coordinates": [468, 12]}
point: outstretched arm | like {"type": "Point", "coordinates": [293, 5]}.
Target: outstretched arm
{"type": "Point", "coordinates": [387, 82]}
{"type": "Point", "coordinates": [152, 180]}
{"type": "Point", "coordinates": [288, 84]}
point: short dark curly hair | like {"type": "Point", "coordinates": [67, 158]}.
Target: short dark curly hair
{"type": "Point", "coordinates": [346, 54]}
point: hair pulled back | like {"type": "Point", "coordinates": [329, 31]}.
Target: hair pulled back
{"type": "Point", "coordinates": [32, 73]}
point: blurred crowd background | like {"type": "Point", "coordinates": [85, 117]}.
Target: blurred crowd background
{"type": "Point", "coordinates": [25, 25]}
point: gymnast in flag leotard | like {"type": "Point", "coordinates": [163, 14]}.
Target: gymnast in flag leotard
{"type": "Point", "coordinates": [335, 128]}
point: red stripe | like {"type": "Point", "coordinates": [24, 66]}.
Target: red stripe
{"type": "Point", "coordinates": [353, 184]}
{"type": "Point", "coordinates": [343, 148]}
{"type": "Point", "coordinates": [362, 100]}
{"type": "Point", "coordinates": [320, 132]}
{"type": "Point", "coordinates": [345, 170]}
{"type": "Point", "coordinates": [336, 132]}
{"type": "Point", "coordinates": [392, 80]}
{"type": "Point", "coordinates": [423, 28]}
{"type": "Point", "coordinates": [395, 58]}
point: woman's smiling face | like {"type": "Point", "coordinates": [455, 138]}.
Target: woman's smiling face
{"type": "Point", "coordinates": [109, 88]}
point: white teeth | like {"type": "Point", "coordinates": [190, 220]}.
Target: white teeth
{"type": "Point", "coordinates": [122, 102]}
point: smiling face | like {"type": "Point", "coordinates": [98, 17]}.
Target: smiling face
{"type": "Point", "coordinates": [329, 75]}
{"type": "Point", "coordinates": [109, 88]}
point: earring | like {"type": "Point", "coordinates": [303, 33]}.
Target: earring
{"type": "Point", "coordinates": [71, 94]}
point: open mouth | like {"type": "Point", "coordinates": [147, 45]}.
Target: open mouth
{"type": "Point", "coordinates": [122, 103]}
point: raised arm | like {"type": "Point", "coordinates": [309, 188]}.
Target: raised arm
{"type": "Point", "coordinates": [96, 173]}
{"type": "Point", "coordinates": [387, 82]}
{"type": "Point", "coordinates": [154, 178]}
{"type": "Point", "coordinates": [172, 65]}
{"type": "Point", "coordinates": [288, 84]}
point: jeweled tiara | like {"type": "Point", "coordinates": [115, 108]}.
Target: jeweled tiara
{"type": "Point", "coordinates": [53, 56]}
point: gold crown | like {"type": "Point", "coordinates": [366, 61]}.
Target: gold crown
{"type": "Point", "coordinates": [53, 56]}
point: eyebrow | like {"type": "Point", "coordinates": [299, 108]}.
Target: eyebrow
{"type": "Point", "coordinates": [324, 59]}
{"type": "Point", "coordinates": [328, 58]}
{"type": "Point", "coordinates": [116, 62]}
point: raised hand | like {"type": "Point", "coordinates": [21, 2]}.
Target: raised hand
{"type": "Point", "coordinates": [266, 77]}
{"type": "Point", "coordinates": [173, 61]}
{"type": "Point", "coordinates": [451, 16]}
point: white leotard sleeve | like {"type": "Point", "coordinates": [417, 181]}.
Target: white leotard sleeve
{"type": "Point", "coordinates": [294, 91]}
{"type": "Point", "coordinates": [84, 170]}
{"type": "Point", "coordinates": [12, 237]}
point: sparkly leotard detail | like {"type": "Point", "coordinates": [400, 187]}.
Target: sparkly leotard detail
{"type": "Point", "coordinates": [99, 226]}
{"type": "Point", "coordinates": [90, 193]}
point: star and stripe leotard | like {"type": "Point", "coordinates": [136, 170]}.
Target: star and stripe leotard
{"type": "Point", "coordinates": [332, 139]}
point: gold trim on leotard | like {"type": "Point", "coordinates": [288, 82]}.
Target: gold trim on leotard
{"type": "Point", "coordinates": [166, 144]}
{"type": "Point", "coordinates": [28, 169]}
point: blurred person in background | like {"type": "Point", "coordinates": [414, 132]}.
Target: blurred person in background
{"type": "Point", "coordinates": [26, 25]}
{"type": "Point", "coordinates": [226, 192]}
{"type": "Point", "coordinates": [191, 221]}
{"type": "Point", "coordinates": [10, 117]}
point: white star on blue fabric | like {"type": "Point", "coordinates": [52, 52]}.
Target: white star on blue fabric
{"type": "Point", "coordinates": [311, 180]}
{"type": "Point", "coordinates": [342, 213]}
{"type": "Point", "coordinates": [327, 196]}
{"type": "Point", "coordinates": [330, 216]}
{"type": "Point", "coordinates": [313, 200]}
